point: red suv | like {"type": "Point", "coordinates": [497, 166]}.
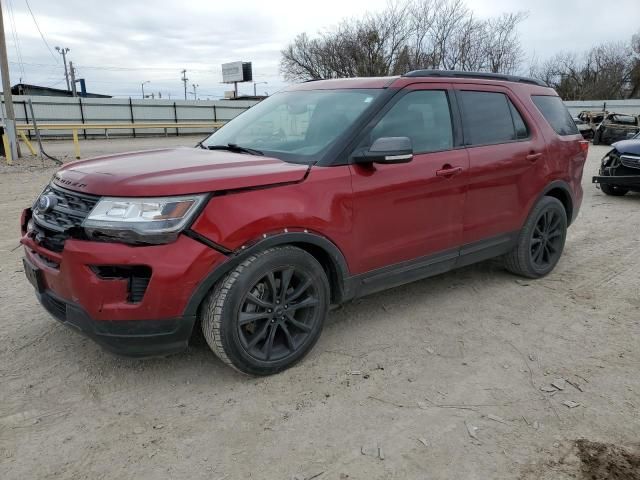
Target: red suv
{"type": "Point", "coordinates": [327, 191]}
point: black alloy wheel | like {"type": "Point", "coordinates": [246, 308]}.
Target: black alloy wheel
{"type": "Point", "coordinates": [547, 239]}
{"type": "Point", "coordinates": [267, 313]}
{"type": "Point", "coordinates": [278, 314]}
{"type": "Point", "coordinates": [541, 240]}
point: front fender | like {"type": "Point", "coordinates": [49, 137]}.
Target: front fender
{"type": "Point", "coordinates": [339, 270]}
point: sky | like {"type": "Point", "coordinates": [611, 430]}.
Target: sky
{"type": "Point", "coordinates": [117, 45]}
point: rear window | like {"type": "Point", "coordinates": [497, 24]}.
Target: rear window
{"type": "Point", "coordinates": [554, 111]}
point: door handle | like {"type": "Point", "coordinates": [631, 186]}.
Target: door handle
{"type": "Point", "coordinates": [532, 157]}
{"type": "Point", "coordinates": [448, 171]}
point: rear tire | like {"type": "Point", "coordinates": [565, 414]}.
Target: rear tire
{"type": "Point", "coordinates": [267, 313]}
{"type": "Point", "coordinates": [541, 240]}
{"type": "Point", "coordinates": [613, 190]}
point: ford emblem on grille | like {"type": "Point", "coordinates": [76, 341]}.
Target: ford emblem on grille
{"type": "Point", "coordinates": [46, 203]}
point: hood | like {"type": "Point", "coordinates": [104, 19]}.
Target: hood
{"type": "Point", "coordinates": [175, 171]}
{"type": "Point", "coordinates": [628, 146]}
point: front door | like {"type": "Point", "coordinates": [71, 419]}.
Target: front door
{"type": "Point", "coordinates": [411, 211]}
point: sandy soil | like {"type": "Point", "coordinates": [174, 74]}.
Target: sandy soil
{"type": "Point", "coordinates": [439, 379]}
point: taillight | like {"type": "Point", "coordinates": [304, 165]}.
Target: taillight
{"type": "Point", "coordinates": [584, 146]}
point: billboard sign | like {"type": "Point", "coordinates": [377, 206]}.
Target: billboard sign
{"type": "Point", "coordinates": [232, 72]}
{"type": "Point", "coordinates": [236, 72]}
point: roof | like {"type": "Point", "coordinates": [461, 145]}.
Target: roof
{"type": "Point", "coordinates": [28, 89]}
{"type": "Point", "coordinates": [431, 75]}
{"type": "Point", "coordinates": [480, 75]}
{"type": "Point", "coordinates": [356, 82]}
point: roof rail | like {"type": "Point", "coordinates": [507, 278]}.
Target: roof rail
{"type": "Point", "coordinates": [486, 75]}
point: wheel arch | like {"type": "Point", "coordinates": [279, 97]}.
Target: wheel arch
{"type": "Point", "coordinates": [321, 248]}
{"type": "Point", "coordinates": [562, 191]}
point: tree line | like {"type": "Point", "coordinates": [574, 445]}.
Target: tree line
{"type": "Point", "coordinates": [445, 34]}
{"type": "Point", "coordinates": [606, 71]}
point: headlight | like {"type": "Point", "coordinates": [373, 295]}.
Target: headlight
{"type": "Point", "coordinates": [141, 220]}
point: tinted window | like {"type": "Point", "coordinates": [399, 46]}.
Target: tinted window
{"type": "Point", "coordinates": [486, 118]}
{"type": "Point", "coordinates": [423, 116]}
{"type": "Point", "coordinates": [521, 128]}
{"type": "Point", "coordinates": [556, 114]}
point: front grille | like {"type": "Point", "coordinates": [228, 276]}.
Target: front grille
{"type": "Point", "coordinates": [631, 161]}
{"type": "Point", "coordinates": [63, 220]}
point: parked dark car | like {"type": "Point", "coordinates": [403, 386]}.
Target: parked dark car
{"type": "Point", "coordinates": [615, 127]}
{"type": "Point", "coordinates": [584, 128]}
{"type": "Point", "coordinates": [324, 192]}
{"type": "Point", "coordinates": [620, 168]}
{"type": "Point", "coordinates": [592, 119]}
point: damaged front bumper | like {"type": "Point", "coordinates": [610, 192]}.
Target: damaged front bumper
{"type": "Point", "coordinates": [619, 170]}
{"type": "Point", "coordinates": [619, 180]}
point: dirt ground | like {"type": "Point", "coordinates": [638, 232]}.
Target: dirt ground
{"type": "Point", "coordinates": [444, 378]}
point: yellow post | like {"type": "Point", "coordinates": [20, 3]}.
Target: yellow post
{"type": "Point", "coordinates": [7, 148]}
{"type": "Point", "coordinates": [76, 143]}
{"type": "Point", "coordinates": [27, 142]}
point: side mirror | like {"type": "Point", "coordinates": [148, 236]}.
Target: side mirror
{"type": "Point", "coordinates": [387, 150]}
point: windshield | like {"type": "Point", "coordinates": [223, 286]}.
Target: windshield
{"type": "Point", "coordinates": [296, 126]}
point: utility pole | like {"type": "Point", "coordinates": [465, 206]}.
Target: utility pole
{"type": "Point", "coordinates": [195, 92]}
{"type": "Point", "coordinates": [10, 121]}
{"type": "Point", "coordinates": [185, 80]}
{"type": "Point", "coordinates": [63, 51]}
{"type": "Point", "coordinates": [72, 72]}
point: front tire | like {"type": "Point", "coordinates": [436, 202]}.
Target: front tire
{"type": "Point", "coordinates": [268, 312]}
{"type": "Point", "coordinates": [613, 190]}
{"type": "Point", "coordinates": [541, 240]}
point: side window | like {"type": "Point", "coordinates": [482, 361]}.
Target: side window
{"type": "Point", "coordinates": [421, 115]}
{"type": "Point", "coordinates": [521, 128]}
{"type": "Point", "coordinates": [486, 118]}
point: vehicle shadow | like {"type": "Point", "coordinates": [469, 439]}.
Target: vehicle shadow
{"type": "Point", "coordinates": [199, 362]}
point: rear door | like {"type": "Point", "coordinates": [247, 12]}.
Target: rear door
{"type": "Point", "coordinates": [505, 149]}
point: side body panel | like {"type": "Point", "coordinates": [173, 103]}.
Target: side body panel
{"type": "Point", "coordinates": [406, 211]}
{"type": "Point", "coordinates": [322, 204]}
{"type": "Point", "coordinates": [502, 180]}
{"type": "Point", "coordinates": [565, 158]}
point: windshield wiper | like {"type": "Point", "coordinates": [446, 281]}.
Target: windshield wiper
{"type": "Point", "coordinates": [232, 147]}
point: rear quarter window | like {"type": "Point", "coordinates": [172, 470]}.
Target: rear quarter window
{"type": "Point", "coordinates": [554, 111]}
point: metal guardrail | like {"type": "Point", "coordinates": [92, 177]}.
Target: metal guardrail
{"type": "Point", "coordinates": [24, 128]}
{"type": "Point", "coordinates": [117, 125]}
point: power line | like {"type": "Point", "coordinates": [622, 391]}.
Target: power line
{"type": "Point", "coordinates": [40, 31]}
{"type": "Point", "coordinates": [16, 39]}
{"type": "Point", "coordinates": [115, 68]}
{"type": "Point", "coordinates": [54, 84]}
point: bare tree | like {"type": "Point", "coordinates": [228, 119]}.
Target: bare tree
{"type": "Point", "coordinates": [503, 49]}
{"type": "Point", "coordinates": [635, 69]}
{"type": "Point", "coordinates": [606, 71]}
{"type": "Point", "coordinates": [407, 35]}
